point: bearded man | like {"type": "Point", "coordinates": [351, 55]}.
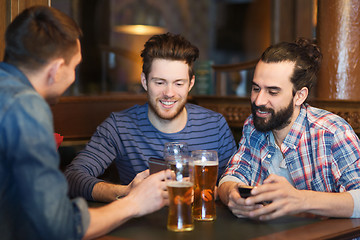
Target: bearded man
{"type": "Point", "coordinates": [298, 158]}
{"type": "Point", "coordinates": [132, 136]}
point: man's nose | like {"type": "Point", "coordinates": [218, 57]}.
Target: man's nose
{"type": "Point", "coordinates": [169, 91]}
{"type": "Point", "coordinates": [260, 98]}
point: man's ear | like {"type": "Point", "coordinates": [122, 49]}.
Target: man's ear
{"type": "Point", "coordinates": [192, 82]}
{"type": "Point", "coordinates": [301, 95]}
{"type": "Point", "coordinates": [54, 67]}
{"type": "Point", "coordinates": [143, 81]}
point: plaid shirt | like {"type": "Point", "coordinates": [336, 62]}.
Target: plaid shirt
{"type": "Point", "coordinates": [321, 152]}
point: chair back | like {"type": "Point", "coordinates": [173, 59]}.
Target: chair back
{"type": "Point", "coordinates": [233, 79]}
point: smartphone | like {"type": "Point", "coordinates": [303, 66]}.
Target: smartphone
{"type": "Point", "coordinates": [156, 165]}
{"type": "Point", "coordinates": [245, 191]}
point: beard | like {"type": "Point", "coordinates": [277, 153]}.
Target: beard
{"type": "Point", "coordinates": [277, 120]}
{"type": "Point", "coordinates": [166, 115]}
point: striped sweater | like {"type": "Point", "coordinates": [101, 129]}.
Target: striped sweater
{"type": "Point", "coordinates": [129, 139]}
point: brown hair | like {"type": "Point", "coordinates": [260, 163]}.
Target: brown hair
{"type": "Point", "coordinates": [304, 53]}
{"type": "Point", "coordinates": [169, 46]}
{"type": "Point", "coordinates": [38, 35]}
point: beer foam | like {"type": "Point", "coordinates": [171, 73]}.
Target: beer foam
{"type": "Point", "coordinates": [179, 184]}
{"type": "Point", "coordinates": [208, 163]}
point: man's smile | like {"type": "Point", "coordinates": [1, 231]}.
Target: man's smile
{"type": "Point", "coordinates": [263, 112]}
{"type": "Point", "coordinates": [167, 103]}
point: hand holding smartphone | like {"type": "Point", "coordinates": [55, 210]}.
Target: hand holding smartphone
{"type": "Point", "coordinates": [245, 191]}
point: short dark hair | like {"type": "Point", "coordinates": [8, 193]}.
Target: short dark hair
{"type": "Point", "coordinates": [304, 53]}
{"type": "Point", "coordinates": [39, 34]}
{"type": "Point", "coordinates": [171, 47]}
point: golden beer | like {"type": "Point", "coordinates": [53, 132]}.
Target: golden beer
{"type": "Point", "coordinates": [180, 217]}
{"type": "Point", "coordinates": [204, 190]}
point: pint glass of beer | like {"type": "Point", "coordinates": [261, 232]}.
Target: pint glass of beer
{"type": "Point", "coordinates": [181, 194]}
{"type": "Point", "coordinates": [206, 171]}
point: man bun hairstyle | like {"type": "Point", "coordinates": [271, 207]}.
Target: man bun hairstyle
{"type": "Point", "coordinates": [304, 53]}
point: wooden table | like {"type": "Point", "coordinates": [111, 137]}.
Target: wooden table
{"type": "Point", "coordinates": [228, 227]}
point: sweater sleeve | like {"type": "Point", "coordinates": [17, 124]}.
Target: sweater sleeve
{"type": "Point", "coordinates": [83, 172]}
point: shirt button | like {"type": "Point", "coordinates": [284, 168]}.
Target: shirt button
{"type": "Point", "coordinates": [269, 156]}
{"type": "Point", "coordinates": [290, 166]}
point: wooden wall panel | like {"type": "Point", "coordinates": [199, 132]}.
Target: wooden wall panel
{"type": "Point", "coordinates": [3, 24]}
{"type": "Point", "coordinates": [76, 118]}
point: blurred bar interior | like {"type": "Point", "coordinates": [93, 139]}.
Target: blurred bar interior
{"type": "Point", "coordinates": [230, 34]}
{"type": "Point", "coordinates": [225, 31]}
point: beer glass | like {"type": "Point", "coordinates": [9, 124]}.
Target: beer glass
{"type": "Point", "coordinates": [181, 191]}
{"type": "Point", "coordinates": [174, 149]}
{"type": "Point", "coordinates": [206, 171]}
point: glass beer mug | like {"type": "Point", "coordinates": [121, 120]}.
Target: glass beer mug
{"type": "Point", "coordinates": [206, 172]}
{"type": "Point", "coordinates": [174, 149]}
{"type": "Point", "coordinates": [181, 191]}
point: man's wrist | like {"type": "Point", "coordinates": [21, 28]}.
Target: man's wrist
{"type": "Point", "coordinates": [122, 191]}
{"type": "Point", "coordinates": [225, 190]}
{"type": "Point", "coordinates": [228, 178]}
{"type": "Point", "coordinates": [108, 192]}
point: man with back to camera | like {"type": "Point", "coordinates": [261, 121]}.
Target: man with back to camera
{"type": "Point", "coordinates": [41, 53]}
{"type": "Point", "coordinates": [132, 136]}
{"type": "Point", "coordinates": [301, 158]}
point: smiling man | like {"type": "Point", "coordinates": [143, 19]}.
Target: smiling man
{"type": "Point", "coordinates": [300, 158]}
{"type": "Point", "coordinates": [134, 135]}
